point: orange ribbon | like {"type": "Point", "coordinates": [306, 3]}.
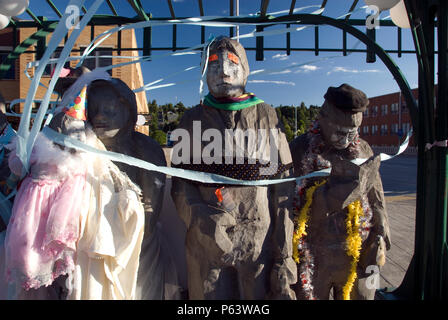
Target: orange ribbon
{"type": "Point", "coordinates": [218, 194]}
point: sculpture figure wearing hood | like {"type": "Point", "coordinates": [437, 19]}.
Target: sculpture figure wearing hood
{"type": "Point", "coordinates": [238, 237]}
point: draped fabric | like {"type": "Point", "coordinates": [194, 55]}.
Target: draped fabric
{"type": "Point", "coordinates": [104, 259]}
{"type": "Point", "coordinates": [43, 229]}
{"type": "Point", "coordinates": [110, 238]}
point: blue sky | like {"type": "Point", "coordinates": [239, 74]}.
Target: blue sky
{"type": "Point", "coordinates": [289, 85]}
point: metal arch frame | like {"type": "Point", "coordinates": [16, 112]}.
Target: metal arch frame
{"type": "Point", "coordinates": [378, 50]}
{"type": "Point", "coordinates": [427, 276]}
{"type": "Point", "coordinates": [312, 20]}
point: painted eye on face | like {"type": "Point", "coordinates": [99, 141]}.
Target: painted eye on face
{"type": "Point", "coordinates": [233, 58]}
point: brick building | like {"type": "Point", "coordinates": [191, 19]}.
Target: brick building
{"type": "Point", "coordinates": [387, 120]}
{"type": "Point", "coordinates": [15, 84]}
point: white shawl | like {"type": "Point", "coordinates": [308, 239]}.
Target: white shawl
{"type": "Point", "coordinates": [111, 234]}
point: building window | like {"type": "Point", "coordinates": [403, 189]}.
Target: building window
{"type": "Point", "coordinates": [98, 60]}
{"type": "Point", "coordinates": [365, 130]}
{"type": "Point", "coordinates": [394, 128]}
{"type": "Point", "coordinates": [11, 74]}
{"type": "Point", "coordinates": [374, 111]}
{"type": "Point", "coordinates": [374, 129]}
{"type": "Point", "coordinates": [404, 109]}
{"type": "Point", "coordinates": [384, 130]}
{"type": "Point", "coordinates": [365, 114]}
{"type": "Point", "coordinates": [384, 109]}
{"type": "Point", "coordinates": [406, 127]}
{"type": "Point", "coordinates": [394, 108]}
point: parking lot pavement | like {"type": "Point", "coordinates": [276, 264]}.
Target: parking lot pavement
{"type": "Point", "coordinates": [399, 176]}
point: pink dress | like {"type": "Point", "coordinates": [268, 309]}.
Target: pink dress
{"type": "Point", "coordinates": [43, 230]}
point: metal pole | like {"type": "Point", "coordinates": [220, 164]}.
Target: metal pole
{"type": "Point", "coordinates": [399, 111]}
{"type": "Point", "coordinates": [442, 134]}
{"type": "Point", "coordinates": [295, 117]}
{"type": "Point", "coordinates": [237, 14]}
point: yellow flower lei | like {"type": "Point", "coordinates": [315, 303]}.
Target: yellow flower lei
{"type": "Point", "coordinates": [353, 243]}
{"type": "Point", "coordinates": [302, 219]}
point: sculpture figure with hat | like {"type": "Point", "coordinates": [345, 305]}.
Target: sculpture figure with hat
{"type": "Point", "coordinates": [67, 237]}
{"type": "Point", "coordinates": [237, 238]}
{"type": "Point", "coordinates": [341, 224]}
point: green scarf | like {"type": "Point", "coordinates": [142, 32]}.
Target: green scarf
{"type": "Point", "coordinates": [232, 104]}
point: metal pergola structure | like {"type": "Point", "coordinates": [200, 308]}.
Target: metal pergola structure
{"type": "Point", "coordinates": [46, 26]}
{"type": "Point", "coordinates": [427, 276]}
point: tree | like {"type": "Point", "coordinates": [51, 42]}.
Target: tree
{"type": "Point", "coordinates": [160, 137]}
{"type": "Point", "coordinates": [153, 124]}
{"type": "Point", "coordinates": [301, 127]}
{"type": "Point", "coordinates": [153, 107]}
{"type": "Point", "coordinates": [288, 132]}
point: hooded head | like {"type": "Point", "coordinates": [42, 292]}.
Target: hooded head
{"type": "Point", "coordinates": [228, 68]}
{"type": "Point", "coordinates": [341, 115]}
{"type": "Point", "coordinates": [112, 109]}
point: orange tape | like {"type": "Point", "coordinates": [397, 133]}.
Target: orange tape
{"type": "Point", "coordinates": [213, 57]}
{"type": "Point", "coordinates": [233, 58]}
{"type": "Point", "coordinates": [219, 194]}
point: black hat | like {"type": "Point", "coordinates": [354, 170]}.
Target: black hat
{"type": "Point", "coordinates": [347, 98]}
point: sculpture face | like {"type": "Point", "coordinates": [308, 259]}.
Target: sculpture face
{"type": "Point", "coordinates": [107, 111]}
{"type": "Point", "coordinates": [225, 74]}
{"type": "Point", "coordinates": [343, 136]}
{"type": "Point", "coordinates": [339, 136]}
{"type": "Point", "coordinates": [339, 128]}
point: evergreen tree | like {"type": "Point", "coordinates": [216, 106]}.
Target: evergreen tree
{"type": "Point", "coordinates": [288, 132]}
{"type": "Point", "coordinates": [152, 107]}
{"type": "Point", "coordinates": [160, 137]}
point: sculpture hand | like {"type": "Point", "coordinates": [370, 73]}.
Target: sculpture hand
{"type": "Point", "coordinates": [383, 232]}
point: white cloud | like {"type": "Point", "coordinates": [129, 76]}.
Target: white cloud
{"type": "Point", "coordinates": [280, 56]}
{"type": "Point", "coordinates": [282, 72]}
{"type": "Point", "coordinates": [289, 83]}
{"type": "Point", "coordinates": [347, 70]}
{"type": "Point", "coordinates": [307, 68]}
